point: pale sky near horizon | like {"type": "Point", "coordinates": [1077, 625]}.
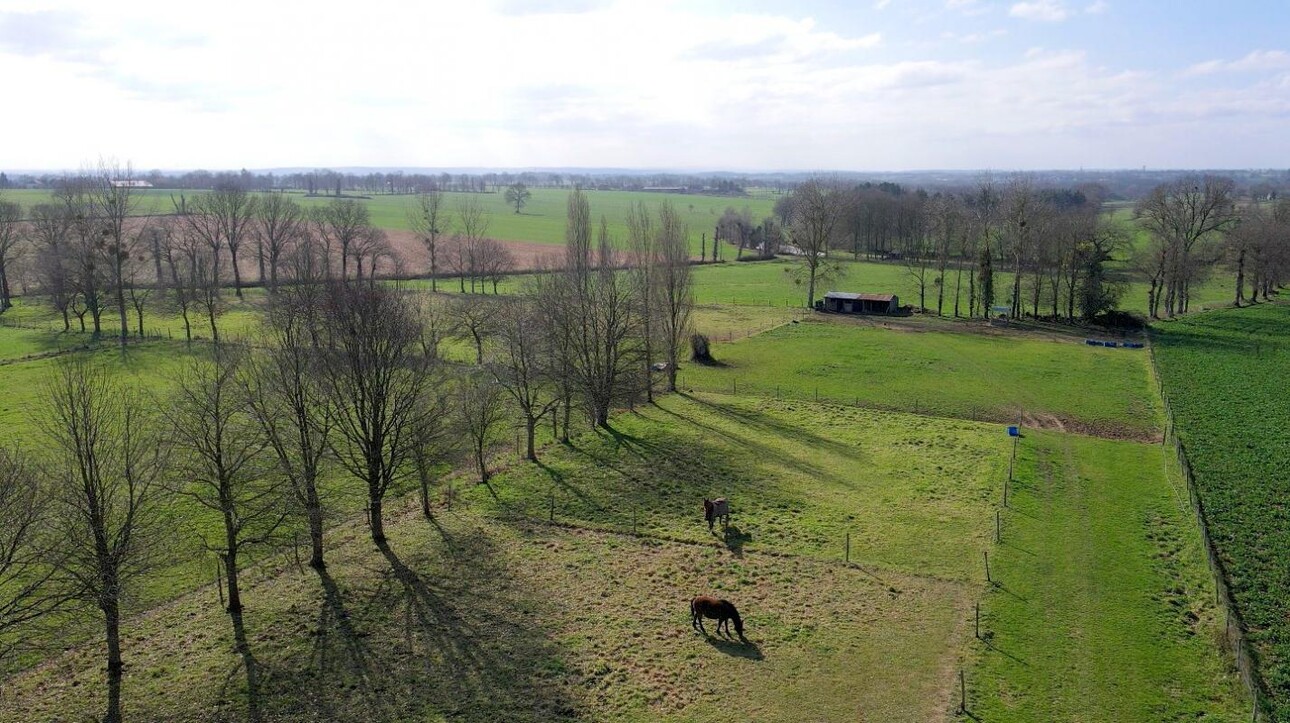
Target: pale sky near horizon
{"type": "Point", "coordinates": [711, 85]}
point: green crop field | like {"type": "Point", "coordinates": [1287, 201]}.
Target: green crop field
{"type": "Point", "coordinates": [973, 372]}
{"type": "Point", "coordinates": [1225, 376]}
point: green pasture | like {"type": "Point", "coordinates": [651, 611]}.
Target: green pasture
{"type": "Point", "coordinates": [477, 619]}
{"type": "Point", "coordinates": [800, 477]}
{"type": "Point", "coordinates": [542, 220]}
{"type": "Point", "coordinates": [782, 282]}
{"type": "Point", "coordinates": [1102, 607]}
{"type": "Point", "coordinates": [973, 372]}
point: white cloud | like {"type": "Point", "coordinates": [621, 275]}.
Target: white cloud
{"type": "Point", "coordinates": [1098, 7]}
{"type": "Point", "coordinates": [881, 4]}
{"type": "Point", "coordinates": [1043, 10]}
{"type": "Point", "coordinates": [588, 83]}
{"type": "Point", "coordinates": [1254, 62]}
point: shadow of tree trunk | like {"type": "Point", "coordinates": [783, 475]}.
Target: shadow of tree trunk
{"type": "Point", "coordinates": [250, 665]}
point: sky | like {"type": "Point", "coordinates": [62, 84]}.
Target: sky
{"type": "Point", "coordinates": [866, 85]}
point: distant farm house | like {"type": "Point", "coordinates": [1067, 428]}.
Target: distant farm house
{"type": "Point", "coordinates": [841, 302]}
{"type": "Point", "coordinates": [131, 184]}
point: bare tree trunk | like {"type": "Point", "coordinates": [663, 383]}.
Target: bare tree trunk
{"type": "Point", "coordinates": [230, 569]}
{"type": "Point", "coordinates": [315, 515]}
{"type": "Point", "coordinates": [530, 428]}
{"type": "Point", "coordinates": [375, 521]}
{"type": "Point", "coordinates": [112, 626]}
{"type": "Point", "coordinates": [237, 273]}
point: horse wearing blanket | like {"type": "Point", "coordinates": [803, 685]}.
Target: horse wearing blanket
{"type": "Point", "coordinates": [718, 508]}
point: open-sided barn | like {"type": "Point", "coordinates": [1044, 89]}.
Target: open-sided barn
{"type": "Point", "coordinates": [841, 302]}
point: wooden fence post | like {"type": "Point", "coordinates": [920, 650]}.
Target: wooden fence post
{"type": "Point", "coordinates": [962, 693]}
{"type": "Point", "coordinates": [848, 547]}
{"type": "Point", "coordinates": [987, 566]}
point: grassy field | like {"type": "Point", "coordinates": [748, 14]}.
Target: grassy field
{"type": "Point", "coordinates": [1103, 607]}
{"type": "Point", "coordinates": [474, 619]}
{"type": "Point", "coordinates": [800, 478]}
{"type": "Point", "coordinates": [781, 283]}
{"type": "Point", "coordinates": [971, 372]}
{"type": "Point", "coordinates": [1225, 375]}
{"type": "Point", "coordinates": [491, 612]}
{"type": "Point", "coordinates": [542, 219]}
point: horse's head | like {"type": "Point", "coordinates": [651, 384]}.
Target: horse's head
{"type": "Point", "coordinates": [738, 621]}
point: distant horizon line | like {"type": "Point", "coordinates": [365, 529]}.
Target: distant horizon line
{"type": "Point", "coordinates": [621, 170]}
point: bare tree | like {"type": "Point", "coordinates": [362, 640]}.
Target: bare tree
{"type": "Point", "coordinates": [223, 467]}
{"type": "Point", "coordinates": [495, 262]}
{"type": "Point", "coordinates": [222, 461]}
{"type": "Point", "coordinates": [279, 221]}
{"type": "Point", "coordinates": [1180, 216]}
{"type": "Point", "coordinates": [596, 312]}
{"type": "Point", "coordinates": [233, 210]}
{"type": "Point", "coordinates": [107, 462]}
{"type": "Point", "coordinates": [816, 211]}
{"type": "Point", "coordinates": [737, 228]}
{"type": "Point", "coordinates": [474, 319]}
{"type": "Point", "coordinates": [674, 288]}
{"type": "Point", "coordinates": [429, 219]}
{"type": "Point", "coordinates": [376, 385]}
{"type": "Point", "coordinates": [286, 399]}
{"type": "Point", "coordinates": [50, 226]}
{"type": "Point", "coordinates": [25, 570]}
{"type": "Point", "coordinates": [188, 267]}
{"type": "Point", "coordinates": [11, 238]}
{"type": "Point", "coordinates": [472, 226]}
{"type": "Point", "coordinates": [478, 399]}
{"type": "Point", "coordinates": [522, 365]}
{"type": "Point", "coordinates": [643, 245]}
{"type": "Point", "coordinates": [344, 222]}
{"type": "Point", "coordinates": [113, 203]}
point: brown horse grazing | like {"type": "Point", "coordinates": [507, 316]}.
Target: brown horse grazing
{"type": "Point", "coordinates": [723, 611]}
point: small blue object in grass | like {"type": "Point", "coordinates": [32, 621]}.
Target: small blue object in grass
{"type": "Point", "coordinates": [1093, 342]}
{"type": "Point", "coordinates": [1014, 431]}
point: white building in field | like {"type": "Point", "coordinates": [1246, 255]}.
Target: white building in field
{"type": "Point", "coordinates": [131, 184]}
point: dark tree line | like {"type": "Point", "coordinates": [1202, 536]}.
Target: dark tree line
{"type": "Point", "coordinates": [1054, 243]}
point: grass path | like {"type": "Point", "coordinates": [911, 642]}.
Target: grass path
{"type": "Point", "coordinates": [1103, 607]}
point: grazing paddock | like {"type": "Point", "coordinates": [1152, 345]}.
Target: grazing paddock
{"type": "Point", "coordinates": [474, 620]}
{"type": "Point", "coordinates": [1104, 607]}
{"type": "Point", "coordinates": [800, 478]}
{"type": "Point", "coordinates": [971, 373]}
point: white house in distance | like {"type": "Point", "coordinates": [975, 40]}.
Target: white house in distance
{"type": "Point", "coordinates": [131, 184]}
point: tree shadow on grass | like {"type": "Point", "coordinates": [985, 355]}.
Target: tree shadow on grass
{"type": "Point", "coordinates": [468, 649]}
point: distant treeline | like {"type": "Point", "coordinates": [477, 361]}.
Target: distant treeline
{"type": "Point", "coordinates": [335, 183]}
{"type": "Point", "coordinates": [1119, 185]}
